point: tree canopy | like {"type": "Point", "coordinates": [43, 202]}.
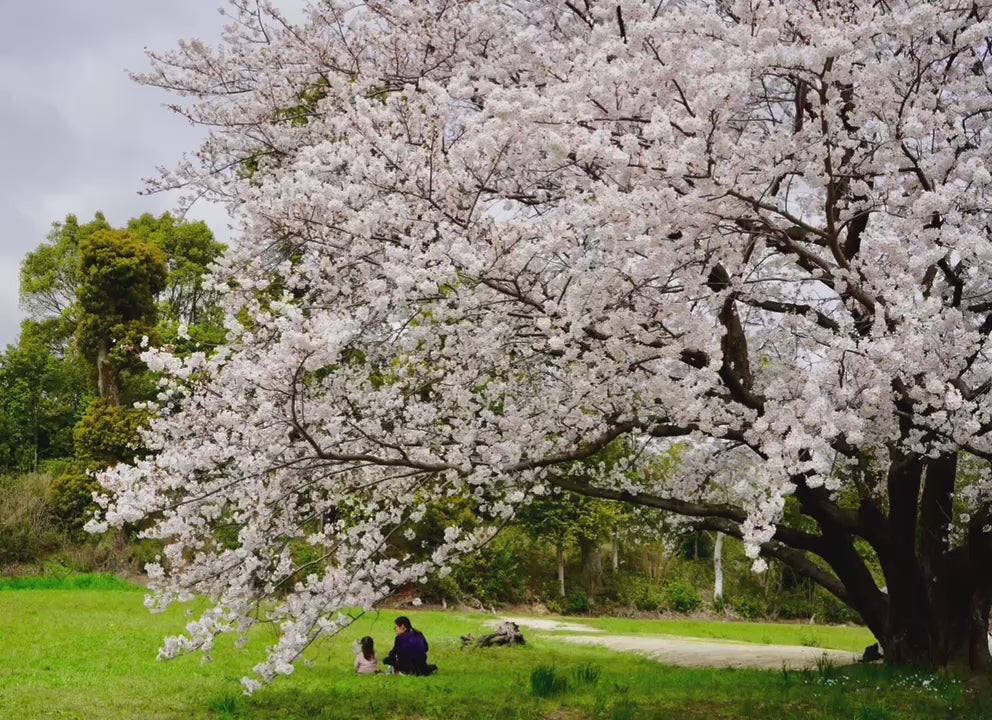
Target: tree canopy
{"type": "Point", "coordinates": [511, 233]}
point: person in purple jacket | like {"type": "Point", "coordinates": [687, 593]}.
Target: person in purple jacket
{"type": "Point", "coordinates": [409, 653]}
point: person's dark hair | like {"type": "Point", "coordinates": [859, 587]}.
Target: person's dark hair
{"type": "Point", "coordinates": [403, 621]}
{"type": "Point", "coordinates": [368, 647]}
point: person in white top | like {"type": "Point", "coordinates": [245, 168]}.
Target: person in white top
{"type": "Point", "coordinates": [366, 661]}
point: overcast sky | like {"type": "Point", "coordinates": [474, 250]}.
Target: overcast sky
{"type": "Point", "coordinates": [77, 135]}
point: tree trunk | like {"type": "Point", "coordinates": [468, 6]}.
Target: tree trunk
{"type": "Point", "coordinates": [616, 551]}
{"type": "Point", "coordinates": [718, 568]}
{"type": "Point", "coordinates": [108, 381]}
{"type": "Point", "coordinates": [592, 563]}
{"type": "Point", "coordinates": [934, 609]}
{"type": "Point", "coordinates": [560, 553]}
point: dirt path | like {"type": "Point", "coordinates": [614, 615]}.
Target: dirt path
{"type": "Point", "coordinates": [694, 652]}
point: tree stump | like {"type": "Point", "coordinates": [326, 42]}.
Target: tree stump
{"type": "Point", "coordinates": [508, 633]}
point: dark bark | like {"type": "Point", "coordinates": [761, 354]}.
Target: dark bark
{"type": "Point", "coordinates": [508, 633]}
{"type": "Point", "coordinates": [934, 611]}
{"type": "Point", "coordinates": [907, 632]}
{"type": "Point", "coordinates": [592, 564]}
{"type": "Point", "coordinates": [108, 378]}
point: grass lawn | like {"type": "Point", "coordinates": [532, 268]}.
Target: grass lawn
{"type": "Point", "coordinates": [90, 653]}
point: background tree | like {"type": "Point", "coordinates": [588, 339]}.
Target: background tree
{"type": "Point", "coordinates": [557, 226]}
{"type": "Point", "coordinates": [120, 277]}
{"type": "Point", "coordinates": [50, 273]}
{"type": "Point", "coordinates": [43, 391]}
{"type": "Point", "coordinates": [189, 249]}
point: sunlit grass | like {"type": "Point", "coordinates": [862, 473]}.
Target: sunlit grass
{"type": "Point", "coordinates": [91, 654]}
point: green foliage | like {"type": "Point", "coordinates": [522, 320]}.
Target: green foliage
{"type": "Point", "coordinates": [637, 591]}
{"type": "Point", "coordinates": [42, 395]}
{"type": "Point", "coordinates": [748, 607]}
{"type": "Point", "coordinates": [695, 545]}
{"type": "Point", "coordinates": [680, 596]}
{"type": "Point", "coordinates": [109, 433]}
{"type": "Point", "coordinates": [189, 249]}
{"type": "Point", "coordinates": [71, 498]}
{"type": "Point", "coordinates": [50, 274]}
{"type": "Point", "coordinates": [120, 277]}
{"type": "Point", "coordinates": [28, 530]}
{"type": "Point", "coordinates": [577, 603]}
{"type": "Point", "coordinates": [546, 681]}
{"type": "Point", "coordinates": [494, 574]}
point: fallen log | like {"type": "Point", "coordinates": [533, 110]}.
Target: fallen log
{"type": "Point", "coordinates": [508, 633]}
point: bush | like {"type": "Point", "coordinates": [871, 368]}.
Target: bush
{"type": "Point", "coordinates": [638, 592]}
{"type": "Point", "coordinates": [71, 498]}
{"type": "Point", "coordinates": [681, 597]}
{"type": "Point", "coordinates": [748, 608]}
{"type": "Point", "coordinates": [494, 574]}
{"type": "Point", "coordinates": [577, 603]}
{"type": "Point", "coordinates": [28, 530]}
{"type": "Point", "coordinates": [108, 434]}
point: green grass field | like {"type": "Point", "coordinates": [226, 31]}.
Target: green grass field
{"type": "Point", "coordinates": [90, 653]}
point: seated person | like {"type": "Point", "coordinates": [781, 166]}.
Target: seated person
{"type": "Point", "coordinates": [366, 661]}
{"type": "Point", "coordinates": [409, 653]}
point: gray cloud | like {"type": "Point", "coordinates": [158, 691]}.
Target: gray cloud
{"type": "Point", "coordinates": [76, 134]}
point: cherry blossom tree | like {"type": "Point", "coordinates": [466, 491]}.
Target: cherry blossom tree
{"type": "Point", "coordinates": [486, 239]}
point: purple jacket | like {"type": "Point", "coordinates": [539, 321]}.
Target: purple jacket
{"type": "Point", "coordinates": [409, 653]}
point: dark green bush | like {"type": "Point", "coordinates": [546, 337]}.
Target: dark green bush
{"type": "Point", "coordinates": [71, 498]}
{"type": "Point", "coordinates": [749, 608]}
{"type": "Point", "coordinates": [494, 574]}
{"type": "Point", "coordinates": [577, 603]}
{"type": "Point", "coordinates": [108, 434]}
{"type": "Point", "coordinates": [680, 596]}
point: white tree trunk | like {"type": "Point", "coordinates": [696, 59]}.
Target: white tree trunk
{"type": "Point", "coordinates": [616, 551]}
{"type": "Point", "coordinates": [718, 568]}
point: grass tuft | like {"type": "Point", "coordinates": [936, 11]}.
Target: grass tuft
{"type": "Point", "coordinates": [546, 682]}
{"type": "Point", "coordinates": [587, 674]}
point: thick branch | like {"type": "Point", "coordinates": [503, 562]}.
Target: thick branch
{"type": "Point", "coordinates": [787, 555]}
{"type": "Point", "coordinates": [725, 511]}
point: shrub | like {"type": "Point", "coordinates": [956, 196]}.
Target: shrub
{"type": "Point", "coordinates": [28, 531]}
{"type": "Point", "coordinates": [638, 592]}
{"type": "Point", "coordinates": [681, 596]}
{"type": "Point", "coordinates": [577, 603]}
{"type": "Point", "coordinates": [493, 575]}
{"type": "Point", "coordinates": [546, 682]}
{"type": "Point", "coordinates": [71, 498]}
{"type": "Point", "coordinates": [108, 433]}
{"type": "Point", "coordinates": [748, 608]}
